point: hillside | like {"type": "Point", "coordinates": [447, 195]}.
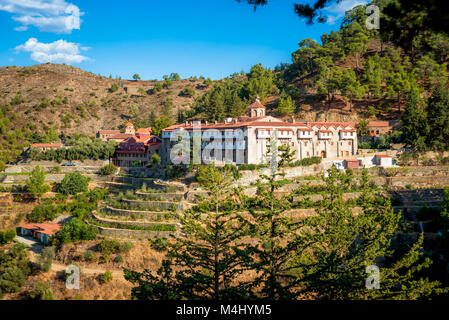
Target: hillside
{"type": "Point", "coordinates": [70, 100]}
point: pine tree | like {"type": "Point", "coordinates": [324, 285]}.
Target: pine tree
{"type": "Point", "coordinates": [350, 86]}
{"type": "Point", "coordinates": [274, 232]}
{"type": "Point", "coordinates": [210, 256]}
{"type": "Point", "coordinates": [413, 121]}
{"type": "Point", "coordinates": [337, 246]}
{"type": "Point", "coordinates": [286, 107]}
{"type": "Point", "coordinates": [438, 119]}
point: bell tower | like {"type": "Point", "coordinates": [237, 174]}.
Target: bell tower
{"type": "Point", "coordinates": [256, 109]}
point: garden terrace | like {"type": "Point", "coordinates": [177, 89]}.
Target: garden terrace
{"type": "Point", "coordinates": [159, 196]}
{"type": "Point", "coordinates": [127, 214]}
{"type": "Point", "coordinates": [167, 225]}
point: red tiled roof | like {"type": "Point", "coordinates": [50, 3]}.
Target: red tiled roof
{"type": "Point", "coordinates": [351, 130]}
{"type": "Point", "coordinates": [255, 123]}
{"type": "Point", "coordinates": [46, 145]}
{"type": "Point", "coordinates": [129, 124]}
{"type": "Point", "coordinates": [144, 130]}
{"type": "Point", "coordinates": [121, 136]}
{"type": "Point", "coordinates": [326, 131]}
{"type": "Point", "coordinates": [329, 124]}
{"type": "Point", "coordinates": [383, 156]}
{"type": "Point", "coordinates": [256, 105]}
{"type": "Point", "coordinates": [378, 124]}
{"type": "Point", "coordinates": [109, 131]}
{"type": "Point", "coordinates": [45, 228]}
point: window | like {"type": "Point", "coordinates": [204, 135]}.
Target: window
{"type": "Point", "coordinates": [308, 153]}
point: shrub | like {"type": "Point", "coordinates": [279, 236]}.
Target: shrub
{"type": "Point", "coordinates": [188, 92]}
{"type": "Point", "coordinates": [114, 87]}
{"type": "Point", "coordinates": [118, 259]}
{"type": "Point", "coordinates": [89, 255]}
{"type": "Point", "coordinates": [125, 247]}
{"type": "Point", "coordinates": [108, 246]}
{"type": "Point", "coordinates": [108, 169]}
{"type": "Point", "coordinates": [155, 160]}
{"type": "Point", "coordinates": [105, 257]}
{"type": "Point", "coordinates": [106, 277]}
{"type": "Point", "coordinates": [73, 183]}
{"type": "Point", "coordinates": [7, 236]}
{"type": "Point", "coordinates": [159, 244]}
{"type": "Point", "coordinates": [41, 291]}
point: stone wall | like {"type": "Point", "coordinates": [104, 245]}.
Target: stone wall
{"type": "Point", "coordinates": [151, 215]}
{"type": "Point", "coordinates": [135, 234]}
{"type": "Point", "coordinates": [160, 196]}
{"type": "Point", "coordinates": [162, 205]}
{"type": "Point", "coordinates": [130, 223]}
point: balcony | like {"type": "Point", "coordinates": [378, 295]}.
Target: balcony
{"type": "Point", "coordinates": [347, 134]}
{"type": "Point", "coordinates": [324, 134]}
{"type": "Point", "coordinates": [305, 134]}
{"type": "Point", "coordinates": [263, 133]}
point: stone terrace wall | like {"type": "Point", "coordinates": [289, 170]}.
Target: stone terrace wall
{"type": "Point", "coordinates": [152, 215]}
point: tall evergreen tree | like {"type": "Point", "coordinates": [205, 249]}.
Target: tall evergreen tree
{"type": "Point", "coordinates": [207, 261]}
{"type": "Point", "coordinates": [337, 246]}
{"type": "Point", "coordinates": [438, 119]}
{"type": "Point", "coordinates": [413, 121]}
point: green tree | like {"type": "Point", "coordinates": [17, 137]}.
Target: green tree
{"type": "Point", "coordinates": [159, 124]}
{"type": "Point", "coordinates": [350, 86]}
{"type": "Point", "coordinates": [274, 234]}
{"type": "Point", "coordinates": [413, 121]}
{"type": "Point", "coordinates": [438, 119]}
{"type": "Point", "coordinates": [209, 258]}
{"type": "Point", "coordinates": [136, 76]}
{"type": "Point", "coordinates": [260, 83]}
{"type": "Point", "coordinates": [75, 230]}
{"type": "Point", "coordinates": [286, 107]}
{"type": "Point", "coordinates": [174, 76]}
{"type": "Point", "coordinates": [73, 183]}
{"type": "Point", "coordinates": [36, 183]}
{"type": "Point", "coordinates": [336, 247]}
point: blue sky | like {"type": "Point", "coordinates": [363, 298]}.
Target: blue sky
{"type": "Point", "coordinates": [213, 38]}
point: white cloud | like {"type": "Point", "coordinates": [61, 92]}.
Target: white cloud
{"type": "Point", "coordinates": [337, 10]}
{"type": "Point", "coordinates": [55, 16]}
{"type": "Point", "coordinates": [59, 51]}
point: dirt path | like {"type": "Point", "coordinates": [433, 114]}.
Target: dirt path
{"type": "Point", "coordinates": [117, 274]}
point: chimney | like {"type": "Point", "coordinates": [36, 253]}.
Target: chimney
{"type": "Point", "coordinates": [235, 120]}
{"type": "Point", "coordinates": [293, 119]}
{"type": "Point", "coordinates": [205, 122]}
{"type": "Point", "coordinates": [257, 99]}
{"type": "Point", "coordinates": [215, 122]}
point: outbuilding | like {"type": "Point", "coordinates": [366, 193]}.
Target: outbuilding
{"type": "Point", "coordinates": [384, 160]}
{"type": "Point", "coordinates": [352, 163]}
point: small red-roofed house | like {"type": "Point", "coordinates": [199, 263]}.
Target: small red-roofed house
{"type": "Point", "coordinates": [42, 232]}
